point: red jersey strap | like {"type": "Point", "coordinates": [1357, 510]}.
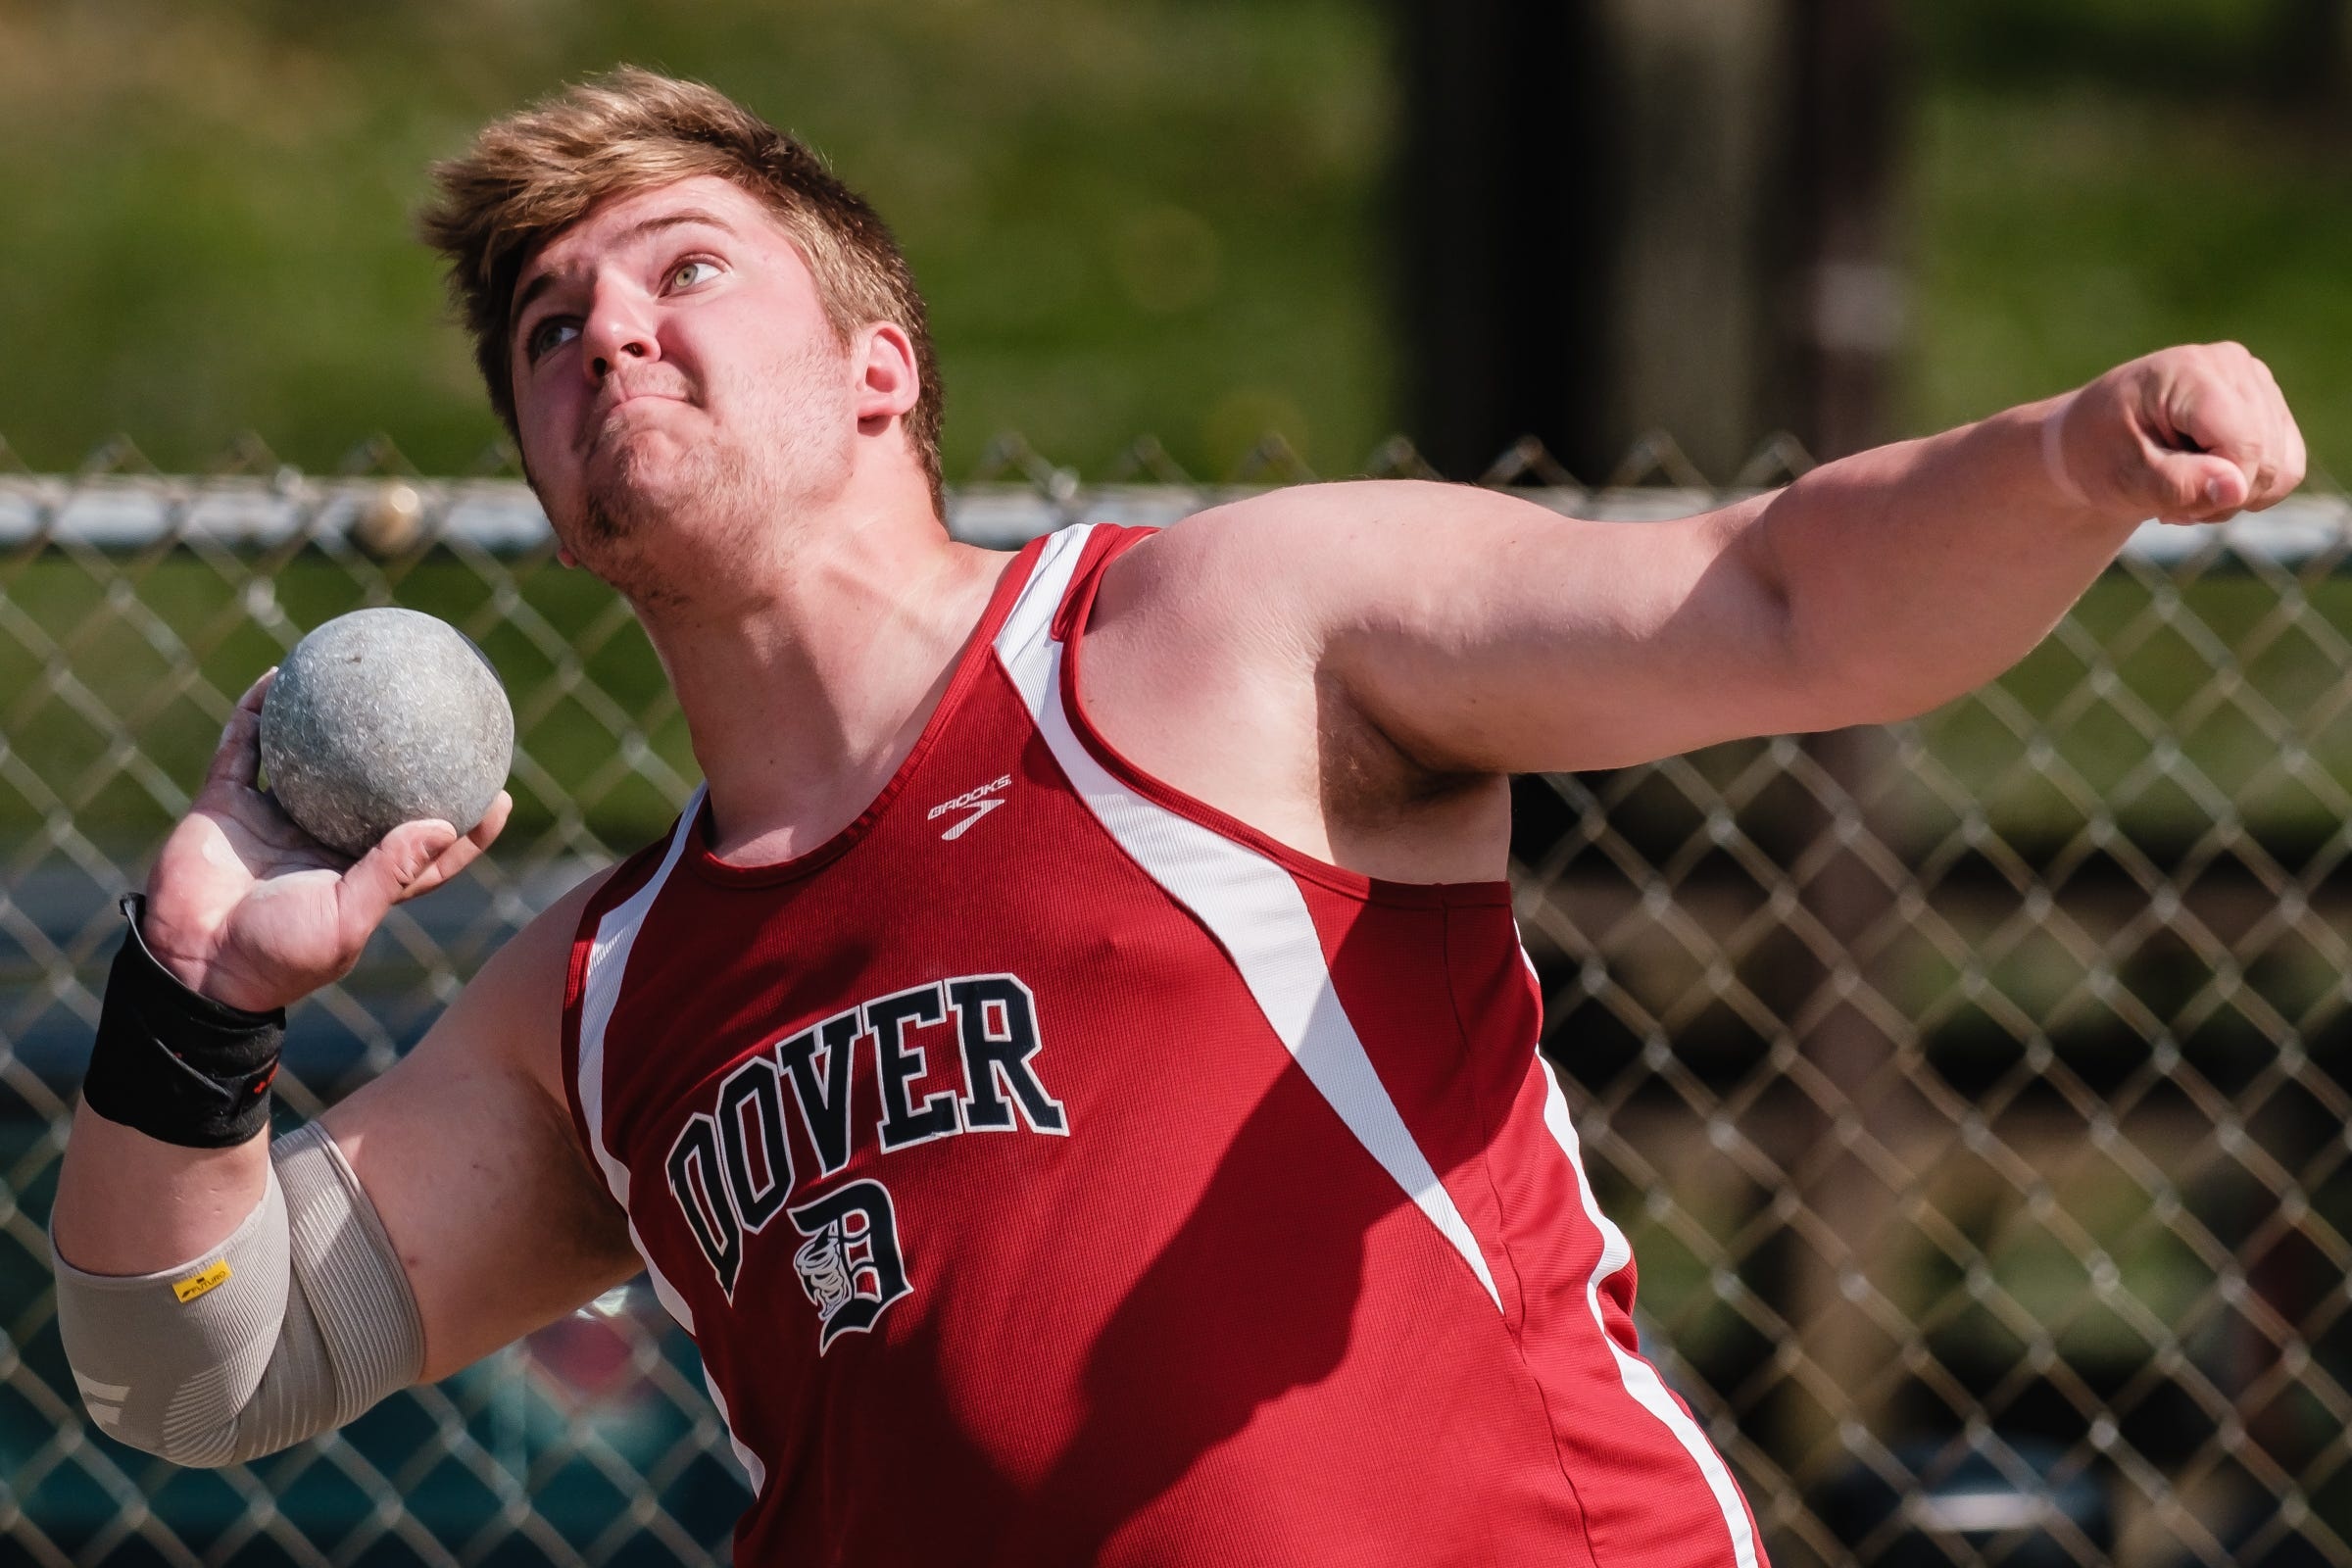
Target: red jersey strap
{"type": "Point", "coordinates": [1015, 577]}
{"type": "Point", "coordinates": [1105, 544]}
{"type": "Point", "coordinates": [625, 880]}
{"type": "Point", "coordinates": [1236, 882]}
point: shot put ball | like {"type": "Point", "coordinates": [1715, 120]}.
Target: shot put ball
{"type": "Point", "coordinates": [384, 716]}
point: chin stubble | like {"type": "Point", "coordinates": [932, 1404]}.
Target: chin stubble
{"type": "Point", "coordinates": [620, 516]}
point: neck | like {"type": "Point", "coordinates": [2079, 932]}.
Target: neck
{"type": "Point", "coordinates": [807, 676]}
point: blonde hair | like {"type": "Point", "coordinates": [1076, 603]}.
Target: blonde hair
{"type": "Point", "coordinates": [535, 172]}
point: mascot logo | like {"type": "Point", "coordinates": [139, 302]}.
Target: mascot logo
{"type": "Point", "coordinates": [849, 1266]}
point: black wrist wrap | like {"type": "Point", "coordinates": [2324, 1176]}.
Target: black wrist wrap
{"type": "Point", "coordinates": [179, 1067]}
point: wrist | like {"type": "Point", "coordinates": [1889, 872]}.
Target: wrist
{"type": "Point", "coordinates": [2053, 452]}
{"type": "Point", "coordinates": [171, 1062]}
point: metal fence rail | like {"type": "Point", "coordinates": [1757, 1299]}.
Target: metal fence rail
{"type": "Point", "coordinates": [1974, 1091]}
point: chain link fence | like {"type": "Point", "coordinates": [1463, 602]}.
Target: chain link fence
{"type": "Point", "coordinates": [1973, 1090]}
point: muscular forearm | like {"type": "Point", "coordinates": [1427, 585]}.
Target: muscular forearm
{"type": "Point", "coordinates": [219, 1296]}
{"type": "Point", "coordinates": [1914, 573]}
{"type": "Point", "coordinates": [130, 1204]}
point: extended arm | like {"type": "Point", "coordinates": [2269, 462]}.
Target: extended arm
{"type": "Point", "coordinates": [1481, 634]}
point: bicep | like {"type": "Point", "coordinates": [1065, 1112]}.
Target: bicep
{"type": "Point", "coordinates": [1484, 633]}
{"type": "Point", "coordinates": [469, 1156]}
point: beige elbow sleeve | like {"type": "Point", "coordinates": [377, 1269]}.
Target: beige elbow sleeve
{"type": "Point", "coordinates": [299, 1321]}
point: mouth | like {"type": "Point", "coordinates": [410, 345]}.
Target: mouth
{"type": "Point", "coordinates": [639, 394]}
{"type": "Point", "coordinates": [608, 407]}
{"type": "Point", "coordinates": [602, 414]}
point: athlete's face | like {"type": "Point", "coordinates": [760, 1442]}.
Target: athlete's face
{"type": "Point", "coordinates": [675, 376]}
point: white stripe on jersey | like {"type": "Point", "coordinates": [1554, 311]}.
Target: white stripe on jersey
{"type": "Point", "coordinates": [1245, 901]}
{"type": "Point", "coordinates": [753, 1469]}
{"type": "Point", "coordinates": [600, 993]}
{"type": "Point", "coordinates": [1641, 1380]}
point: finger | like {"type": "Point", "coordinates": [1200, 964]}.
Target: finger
{"type": "Point", "coordinates": [2262, 454]}
{"type": "Point", "coordinates": [450, 862]}
{"type": "Point", "coordinates": [382, 877]}
{"type": "Point", "coordinates": [2275, 481]}
{"type": "Point", "coordinates": [464, 852]}
{"type": "Point", "coordinates": [2265, 460]}
{"type": "Point", "coordinates": [2262, 482]}
{"type": "Point", "coordinates": [2277, 444]}
{"type": "Point", "coordinates": [445, 866]}
{"type": "Point", "coordinates": [238, 761]}
{"type": "Point", "coordinates": [494, 820]}
{"type": "Point", "coordinates": [2196, 486]}
{"type": "Point", "coordinates": [2287, 441]}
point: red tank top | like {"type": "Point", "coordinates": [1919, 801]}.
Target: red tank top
{"type": "Point", "coordinates": [1053, 1169]}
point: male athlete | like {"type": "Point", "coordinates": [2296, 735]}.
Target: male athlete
{"type": "Point", "coordinates": [1073, 1069]}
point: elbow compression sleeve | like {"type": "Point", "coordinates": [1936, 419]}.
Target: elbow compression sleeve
{"type": "Point", "coordinates": [299, 1321]}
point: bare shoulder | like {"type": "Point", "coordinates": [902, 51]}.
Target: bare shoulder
{"type": "Point", "coordinates": [1347, 510]}
{"type": "Point", "coordinates": [1211, 664]}
{"type": "Point", "coordinates": [1303, 541]}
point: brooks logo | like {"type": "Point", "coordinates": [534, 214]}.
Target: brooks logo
{"type": "Point", "coordinates": [975, 804]}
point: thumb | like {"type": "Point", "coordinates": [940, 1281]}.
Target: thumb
{"type": "Point", "coordinates": [2196, 485]}
{"type": "Point", "coordinates": [2199, 484]}
{"type": "Point", "coordinates": [379, 878]}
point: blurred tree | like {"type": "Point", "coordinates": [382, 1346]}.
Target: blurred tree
{"type": "Point", "coordinates": [1844, 296]}
{"type": "Point", "coordinates": [2311, 53]}
{"type": "Point", "coordinates": [1512, 190]}
{"type": "Point", "coordinates": [1620, 216]}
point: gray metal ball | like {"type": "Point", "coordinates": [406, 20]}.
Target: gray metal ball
{"type": "Point", "coordinates": [384, 716]}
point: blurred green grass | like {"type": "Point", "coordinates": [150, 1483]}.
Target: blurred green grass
{"type": "Point", "coordinates": [2061, 235]}
{"type": "Point", "coordinates": [1131, 218]}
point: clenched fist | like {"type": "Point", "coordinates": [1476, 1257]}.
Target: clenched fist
{"type": "Point", "coordinates": [2192, 434]}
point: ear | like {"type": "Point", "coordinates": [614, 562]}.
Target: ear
{"type": "Point", "coordinates": [888, 386]}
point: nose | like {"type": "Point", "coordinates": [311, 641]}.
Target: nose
{"type": "Point", "coordinates": [619, 327]}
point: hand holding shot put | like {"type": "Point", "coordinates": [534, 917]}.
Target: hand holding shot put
{"type": "Point", "coordinates": [250, 909]}
{"type": "Point", "coordinates": [971, 1031]}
